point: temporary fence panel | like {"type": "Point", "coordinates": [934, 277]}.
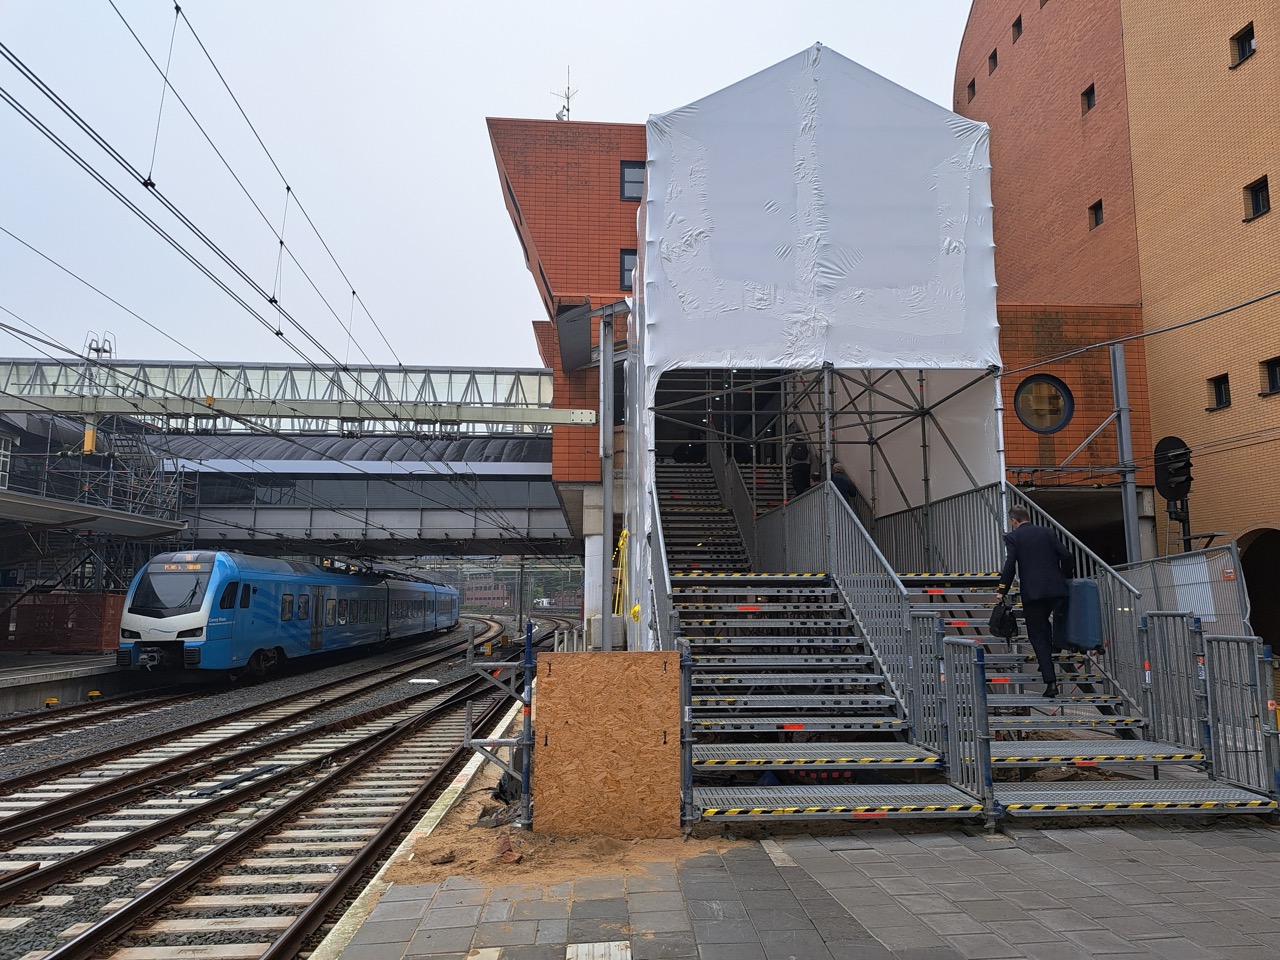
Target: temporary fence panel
{"type": "Point", "coordinates": [923, 666]}
{"type": "Point", "coordinates": [968, 738]}
{"type": "Point", "coordinates": [1174, 679]}
{"type": "Point", "coordinates": [1242, 717]}
{"type": "Point", "coordinates": [1210, 583]}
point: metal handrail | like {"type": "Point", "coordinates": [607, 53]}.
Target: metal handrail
{"type": "Point", "coordinates": [663, 612]}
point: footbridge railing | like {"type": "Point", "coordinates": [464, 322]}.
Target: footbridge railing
{"type": "Point", "coordinates": [734, 492]}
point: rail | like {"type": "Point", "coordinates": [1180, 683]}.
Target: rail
{"type": "Point", "coordinates": [924, 669]}
{"type": "Point", "coordinates": [663, 625]}
{"type": "Point", "coordinates": [734, 493]}
{"type": "Point", "coordinates": [961, 533]}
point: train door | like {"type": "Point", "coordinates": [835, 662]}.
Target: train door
{"type": "Point", "coordinates": [317, 618]}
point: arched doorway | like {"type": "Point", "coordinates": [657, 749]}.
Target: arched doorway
{"type": "Point", "coordinates": [1260, 558]}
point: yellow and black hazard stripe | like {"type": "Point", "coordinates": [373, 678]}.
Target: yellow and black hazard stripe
{"type": "Point", "coordinates": [812, 761]}
{"type": "Point", "coordinates": [1086, 806]}
{"type": "Point", "coordinates": [856, 811]}
{"type": "Point", "coordinates": [1089, 759]}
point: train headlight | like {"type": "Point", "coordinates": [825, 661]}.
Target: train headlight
{"type": "Point", "coordinates": [191, 634]}
{"type": "Point", "coordinates": [129, 634]}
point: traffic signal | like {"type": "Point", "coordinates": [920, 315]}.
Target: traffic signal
{"type": "Point", "coordinates": [1173, 468]}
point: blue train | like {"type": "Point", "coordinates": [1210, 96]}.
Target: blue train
{"type": "Point", "coordinates": [207, 610]}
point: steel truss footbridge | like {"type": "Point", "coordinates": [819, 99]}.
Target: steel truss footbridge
{"type": "Point", "coordinates": [285, 458]}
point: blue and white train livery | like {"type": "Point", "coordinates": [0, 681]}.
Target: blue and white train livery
{"type": "Point", "coordinates": [206, 610]}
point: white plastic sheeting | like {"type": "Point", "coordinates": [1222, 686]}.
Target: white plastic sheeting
{"type": "Point", "coordinates": [817, 213]}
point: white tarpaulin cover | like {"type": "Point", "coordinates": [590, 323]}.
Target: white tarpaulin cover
{"type": "Point", "coordinates": [816, 213]}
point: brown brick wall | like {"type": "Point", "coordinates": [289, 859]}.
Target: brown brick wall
{"type": "Point", "coordinates": [1049, 161]}
{"type": "Point", "coordinates": [1031, 333]}
{"type": "Point", "coordinates": [566, 179]}
{"type": "Point", "coordinates": [1200, 132]}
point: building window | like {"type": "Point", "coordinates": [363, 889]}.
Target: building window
{"type": "Point", "coordinates": [515, 204]}
{"type": "Point", "coordinates": [1088, 99]}
{"type": "Point", "coordinates": [1043, 403]}
{"type": "Point", "coordinates": [1257, 199]}
{"type": "Point", "coordinates": [1219, 392]}
{"type": "Point", "coordinates": [1243, 46]}
{"type": "Point", "coordinates": [1095, 215]}
{"type": "Point", "coordinates": [1017, 29]}
{"type": "Point", "coordinates": [627, 259]}
{"type": "Point", "coordinates": [1270, 377]}
{"type": "Point", "coordinates": [993, 61]}
{"type": "Point", "coordinates": [632, 179]}
{"type": "Point", "coordinates": [972, 90]}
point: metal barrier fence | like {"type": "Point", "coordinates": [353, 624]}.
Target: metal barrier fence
{"type": "Point", "coordinates": [1242, 718]}
{"type": "Point", "coordinates": [1209, 583]}
{"type": "Point", "coordinates": [1173, 688]}
{"type": "Point", "coordinates": [962, 533]}
{"type": "Point", "coordinates": [817, 531]}
{"type": "Point", "coordinates": [570, 641]}
{"type": "Point", "coordinates": [663, 611]}
{"type": "Point", "coordinates": [968, 738]}
{"type": "Point", "coordinates": [924, 706]}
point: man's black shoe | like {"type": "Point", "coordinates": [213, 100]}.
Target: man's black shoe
{"type": "Point", "coordinates": [1051, 691]}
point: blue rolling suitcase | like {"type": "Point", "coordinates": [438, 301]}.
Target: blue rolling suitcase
{"type": "Point", "coordinates": [1083, 630]}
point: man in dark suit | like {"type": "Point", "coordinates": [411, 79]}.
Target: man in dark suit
{"type": "Point", "coordinates": [1043, 564]}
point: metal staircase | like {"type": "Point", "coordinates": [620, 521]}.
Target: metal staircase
{"type": "Point", "coordinates": [790, 710]}
{"type": "Point", "coordinates": [697, 528]}
{"type": "Point", "coordinates": [1087, 751]}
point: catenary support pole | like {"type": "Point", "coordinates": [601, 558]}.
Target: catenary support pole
{"type": "Point", "coordinates": [606, 480]}
{"type": "Point", "coordinates": [1124, 444]}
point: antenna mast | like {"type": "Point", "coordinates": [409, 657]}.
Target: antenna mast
{"type": "Point", "coordinates": [567, 96]}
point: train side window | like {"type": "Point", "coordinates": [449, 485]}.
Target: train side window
{"type": "Point", "coordinates": [244, 595]}
{"type": "Point", "coordinates": [286, 606]}
{"type": "Point", "coordinates": [364, 611]}
{"type": "Point", "coordinates": [304, 606]}
{"type": "Point", "coordinates": [330, 612]}
{"type": "Point", "coordinates": [382, 609]}
{"type": "Point", "coordinates": [228, 598]}
{"type": "Point", "coordinates": [342, 610]}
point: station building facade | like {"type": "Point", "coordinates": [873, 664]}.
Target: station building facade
{"type": "Point", "coordinates": [1132, 144]}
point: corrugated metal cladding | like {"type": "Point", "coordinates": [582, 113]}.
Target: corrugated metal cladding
{"type": "Point", "coordinates": [357, 449]}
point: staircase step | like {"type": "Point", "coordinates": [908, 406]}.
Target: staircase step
{"type": "Point", "coordinates": [759, 590]}
{"type": "Point", "coordinates": [1127, 796]}
{"type": "Point", "coordinates": [795, 678]}
{"type": "Point", "coordinates": [800, 661]}
{"type": "Point", "coordinates": [793, 724]}
{"type": "Point", "coordinates": [997, 700]}
{"type": "Point", "coordinates": [846, 801]}
{"type": "Point", "coordinates": [802, 701]}
{"type": "Point", "coordinates": [1088, 753]}
{"type": "Point", "coordinates": [1042, 722]}
{"type": "Point", "coordinates": [701, 644]}
{"type": "Point", "coordinates": [829, 756]}
{"type": "Point", "coordinates": [695, 606]}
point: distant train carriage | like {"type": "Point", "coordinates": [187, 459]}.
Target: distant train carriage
{"type": "Point", "coordinates": [209, 610]}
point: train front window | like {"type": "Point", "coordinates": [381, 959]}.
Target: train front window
{"type": "Point", "coordinates": [165, 591]}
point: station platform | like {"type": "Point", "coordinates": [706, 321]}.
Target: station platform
{"type": "Point", "coordinates": [1139, 887]}
{"type": "Point", "coordinates": [27, 680]}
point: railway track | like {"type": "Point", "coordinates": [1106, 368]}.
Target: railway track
{"type": "Point", "coordinates": [288, 827]}
{"type": "Point", "coordinates": [20, 728]}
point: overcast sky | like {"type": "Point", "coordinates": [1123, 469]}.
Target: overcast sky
{"type": "Point", "coordinates": [375, 113]}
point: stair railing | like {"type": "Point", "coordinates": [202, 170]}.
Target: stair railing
{"type": "Point", "coordinates": [734, 493]}
{"type": "Point", "coordinates": [818, 532]}
{"type": "Point", "coordinates": [1120, 601]}
{"type": "Point", "coordinates": [660, 605]}
{"type": "Point", "coordinates": [958, 534]}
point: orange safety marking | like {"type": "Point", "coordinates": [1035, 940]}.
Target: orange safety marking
{"type": "Point", "coordinates": [867, 816]}
{"type": "Point", "coordinates": [748, 606]}
{"type": "Point", "coordinates": [998, 680]}
{"type": "Point", "coordinates": [1086, 763]}
{"type": "Point", "coordinates": [793, 726]}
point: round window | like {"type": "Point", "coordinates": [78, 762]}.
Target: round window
{"type": "Point", "coordinates": [1043, 403]}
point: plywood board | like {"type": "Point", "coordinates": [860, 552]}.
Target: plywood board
{"type": "Point", "coordinates": [606, 758]}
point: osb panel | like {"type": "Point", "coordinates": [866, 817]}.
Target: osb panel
{"type": "Point", "coordinates": [606, 758]}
